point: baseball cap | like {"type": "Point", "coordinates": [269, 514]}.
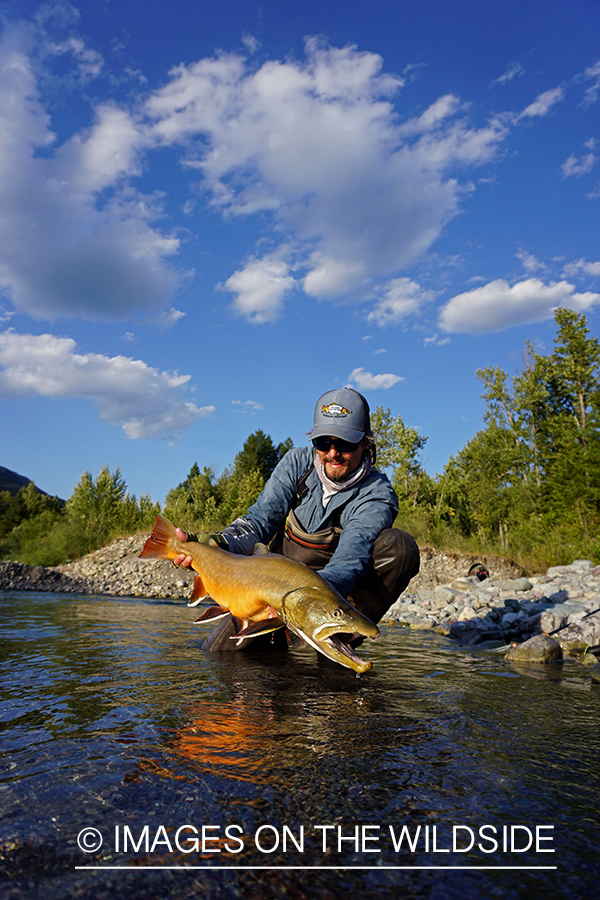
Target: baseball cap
{"type": "Point", "coordinates": [342, 413]}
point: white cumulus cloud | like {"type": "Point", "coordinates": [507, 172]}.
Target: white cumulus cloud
{"type": "Point", "coordinates": [530, 262]}
{"type": "Point", "coordinates": [317, 144]}
{"type": "Point", "coordinates": [260, 288]}
{"type": "Point", "coordinates": [349, 189]}
{"type": "Point", "coordinates": [65, 250]}
{"type": "Point", "coordinates": [366, 381]}
{"type": "Point", "coordinates": [244, 406]}
{"type": "Point", "coordinates": [582, 266]}
{"type": "Point", "coordinates": [144, 402]}
{"type": "Point", "coordinates": [90, 61]}
{"type": "Point", "coordinates": [498, 305]}
{"type": "Point", "coordinates": [401, 298]}
{"type": "Point", "coordinates": [168, 318]}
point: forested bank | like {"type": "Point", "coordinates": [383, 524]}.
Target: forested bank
{"type": "Point", "coordinates": [40, 531]}
{"type": "Point", "coordinates": [526, 486]}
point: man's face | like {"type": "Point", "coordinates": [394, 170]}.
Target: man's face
{"type": "Point", "coordinates": [338, 465]}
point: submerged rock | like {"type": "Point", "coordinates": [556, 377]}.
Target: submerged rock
{"type": "Point", "coordinates": [595, 673]}
{"type": "Point", "coordinates": [539, 649]}
{"type": "Point", "coordinates": [589, 659]}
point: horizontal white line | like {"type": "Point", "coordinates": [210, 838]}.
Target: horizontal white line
{"type": "Point", "coordinates": [327, 868]}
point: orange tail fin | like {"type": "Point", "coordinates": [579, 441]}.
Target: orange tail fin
{"type": "Point", "coordinates": [161, 543]}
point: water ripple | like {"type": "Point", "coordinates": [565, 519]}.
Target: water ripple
{"type": "Point", "coordinates": [111, 716]}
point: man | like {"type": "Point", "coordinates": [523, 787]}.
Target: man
{"type": "Point", "coordinates": [327, 506]}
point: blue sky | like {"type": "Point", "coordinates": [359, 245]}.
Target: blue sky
{"type": "Point", "coordinates": [212, 213]}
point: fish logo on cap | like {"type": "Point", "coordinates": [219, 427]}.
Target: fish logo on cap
{"type": "Point", "coordinates": [335, 410]}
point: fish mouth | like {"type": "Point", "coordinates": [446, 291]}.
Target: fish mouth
{"type": "Point", "coordinates": [329, 630]}
{"type": "Point", "coordinates": [336, 645]}
{"type": "Point", "coordinates": [340, 643]}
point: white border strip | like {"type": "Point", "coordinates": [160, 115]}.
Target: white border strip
{"type": "Point", "coordinates": [329, 868]}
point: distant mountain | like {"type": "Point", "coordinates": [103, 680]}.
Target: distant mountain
{"type": "Point", "coordinates": [13, 482]}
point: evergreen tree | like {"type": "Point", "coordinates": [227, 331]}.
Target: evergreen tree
{"type": "Point", "coordinates": [203, 503]}
{"type": "Point", "coordinates": [504, 417]}
{"type": "Point", "coordinates": [531, 399]}
{"type": "Point", "coordinates": [27, 503]}
{"type": "Point", "coordinates": [258, 454]}
{"type": "Point", "coordinates": [283, 448]}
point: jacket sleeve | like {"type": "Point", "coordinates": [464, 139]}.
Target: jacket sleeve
{"type": "Point", "coordinates": [269, 512]}
{"type": "Point", "coordinates": [362, 521]}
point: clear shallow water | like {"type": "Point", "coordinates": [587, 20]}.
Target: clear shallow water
{"type": "Point", "coordinates": [112, 718]}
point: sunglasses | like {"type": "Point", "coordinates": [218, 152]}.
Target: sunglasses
{"type": "Point", "coordinates": [324, 443]}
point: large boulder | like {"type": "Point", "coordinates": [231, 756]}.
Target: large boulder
{"type": "Point", "coordinates": [539, 649]}
{"type": "Point", "coordinates": [584, 633]}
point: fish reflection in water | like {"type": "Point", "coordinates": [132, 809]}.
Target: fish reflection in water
{"type": "Point", "coordinates": [224, 737]}
{"type": "Point", "coordinates": [277, 722]}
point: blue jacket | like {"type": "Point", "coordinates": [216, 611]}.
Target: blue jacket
{"type": "Point", "coordinates": [366, 510]}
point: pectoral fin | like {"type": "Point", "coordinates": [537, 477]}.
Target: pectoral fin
{"type": "Point", "coordinates": [255, 629]}
{"type": "Point", "coordinates": [212, 614]}
{"type": "Point", "coordinates": [199, 592]}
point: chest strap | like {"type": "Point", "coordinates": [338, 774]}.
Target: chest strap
{"type": "Point", "coordinates": [325, 539]}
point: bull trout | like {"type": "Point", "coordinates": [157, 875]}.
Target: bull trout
{"type": "Point", "coordinates": [268, 591]}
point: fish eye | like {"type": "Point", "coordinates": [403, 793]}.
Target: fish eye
{"type": "Point", "coordinates": [337, 613]}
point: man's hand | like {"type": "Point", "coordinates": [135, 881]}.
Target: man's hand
{"type": "Point", "coordinates": [186, 561]}
{"type": "Point", "coordinates": [182, 560]}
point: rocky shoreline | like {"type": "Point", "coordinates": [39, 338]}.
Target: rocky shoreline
{"type": "Point", "coordinates": [115, 570]}
{"type": "Point", "coordinates": [563, 604]}
{"type": "Point", "coordinates": [503, 609]}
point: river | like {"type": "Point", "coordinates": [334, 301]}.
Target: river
{"type": "Point", "coordinates": [133, 762]}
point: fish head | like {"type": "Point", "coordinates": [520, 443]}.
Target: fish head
{"type": "Point", "coordinates": [328, 623]}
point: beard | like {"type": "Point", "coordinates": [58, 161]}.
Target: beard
{"type": "Point", "coordinates": [340, 473]}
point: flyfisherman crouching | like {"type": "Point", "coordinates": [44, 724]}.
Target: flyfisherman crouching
{"type": "Point", "coordinates": [327, 506]}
